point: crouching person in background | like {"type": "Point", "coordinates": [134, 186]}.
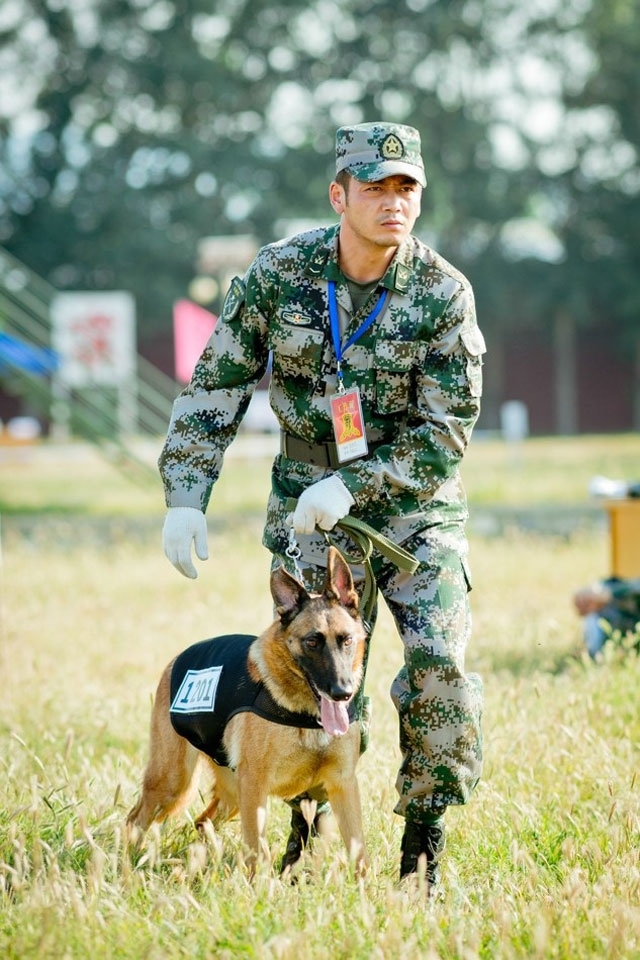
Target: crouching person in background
{"type": "Point", "coordinates": [608, 607]}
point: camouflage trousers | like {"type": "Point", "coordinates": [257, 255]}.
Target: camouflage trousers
{"type": "Point", "coordinates": [439, 705]}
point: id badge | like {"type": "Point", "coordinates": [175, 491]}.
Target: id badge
{"type": "Point", "coordinates": [348, 425]}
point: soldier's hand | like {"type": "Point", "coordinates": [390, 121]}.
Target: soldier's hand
{"type": "Point", "coordinates": [184, 527]}
{"type": "Point", "coordinates": [322, 504]}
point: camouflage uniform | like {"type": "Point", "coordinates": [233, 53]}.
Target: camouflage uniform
{"type": "Point", "coordinates": [419, 370]}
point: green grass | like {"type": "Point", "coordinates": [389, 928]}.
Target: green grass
{"type": "Point", "coordinates": [542, 863]}
{"type": "Point", "coordinates": [547, 470]}
{"type": "Point", "coordinates": [542, 471]}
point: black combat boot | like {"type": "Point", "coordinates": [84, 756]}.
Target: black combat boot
{"type": "Point", "coordinates": [300, 836]}
{"type": "Point", "coordinates": [426, 841]}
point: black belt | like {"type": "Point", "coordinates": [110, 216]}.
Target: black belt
{"type": "Point", "coordinates": [318, 454]}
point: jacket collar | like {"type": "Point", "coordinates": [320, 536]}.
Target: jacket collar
{"type": "Point", "coordinates": [323, 263]}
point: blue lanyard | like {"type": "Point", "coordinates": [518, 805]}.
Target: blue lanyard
{"type": "Point", "coordinates": [335, 327]}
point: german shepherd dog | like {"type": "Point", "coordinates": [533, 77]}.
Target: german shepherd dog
{"type": "Point", "coordinates": [310, 660]}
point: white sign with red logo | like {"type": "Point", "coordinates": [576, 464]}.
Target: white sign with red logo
{"type": "Point", "coordinates": [94, 335]}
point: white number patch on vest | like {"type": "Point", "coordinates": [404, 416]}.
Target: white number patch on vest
{"type": "Point", "coordinates": [197, 693]}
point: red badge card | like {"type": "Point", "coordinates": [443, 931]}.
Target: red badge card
{"type": "Point", "coordinates": [348, 425]}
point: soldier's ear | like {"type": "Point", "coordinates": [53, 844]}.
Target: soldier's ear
{"type": "Point", "coordinates": [337, 197]}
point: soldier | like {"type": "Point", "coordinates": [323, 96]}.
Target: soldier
{"type": "Point", "coordinates": [376, 383]}
{"type": "Point", "coordinates": [610, 610]}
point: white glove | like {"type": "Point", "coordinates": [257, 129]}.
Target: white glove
{"type": "Point", "coordinates": [182, 527]}
{"type": "Point", "coordinates": [322, 504]}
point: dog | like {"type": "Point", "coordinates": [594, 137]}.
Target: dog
{"type": "Point", "coordinates": [296, 736]}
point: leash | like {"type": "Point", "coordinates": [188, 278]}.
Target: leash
{"type": "Point", "coordinates": [366, 540]}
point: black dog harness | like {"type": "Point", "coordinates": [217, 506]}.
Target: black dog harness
{"type": "Point", "coordinates": [210, 683]}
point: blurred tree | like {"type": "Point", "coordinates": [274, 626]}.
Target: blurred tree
{"type": "Point", "coordinates": [605, 225]}
{"type": "Point", "coordinates": [132, 128]}
{"type": "Point", "coordinates": [153, 123]}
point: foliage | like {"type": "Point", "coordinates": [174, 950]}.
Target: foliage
{"type": "Point", "coordinates": [158, 122]}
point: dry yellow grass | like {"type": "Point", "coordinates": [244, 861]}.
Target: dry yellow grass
{"type": "Point", "coordinates": [542, 863]}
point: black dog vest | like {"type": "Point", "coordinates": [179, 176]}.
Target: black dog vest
{"type": "Point", "coordinates": [210, 683]}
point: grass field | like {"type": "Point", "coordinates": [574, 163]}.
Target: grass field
{"type": "Point", "coordinates": [544, 861]}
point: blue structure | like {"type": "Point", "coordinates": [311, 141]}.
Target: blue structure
{"type": "Point", "coordinates": [40, 361]}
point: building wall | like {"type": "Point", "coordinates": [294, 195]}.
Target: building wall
{"type": "Point", "coordinates": [517, 367]}
{"type": "Point", "coordinates": [605, 385]}
{"type": "Point", "coordinates": [529, 377]}
{"type": "Point", "coordinates": [522, 367]}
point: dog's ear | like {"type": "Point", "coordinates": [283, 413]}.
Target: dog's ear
{"type": "Point", "coordinates": [339, 582]}
{"type": "Point", "coordinates": [288, 594]}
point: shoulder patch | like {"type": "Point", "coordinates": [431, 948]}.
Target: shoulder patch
{"type": "Point", "coordinates": [234, 299]}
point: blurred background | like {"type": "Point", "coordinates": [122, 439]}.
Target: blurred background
{"type": "Point", "coordinates": [149, 147]}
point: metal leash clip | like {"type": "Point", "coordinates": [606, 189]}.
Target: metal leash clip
{"type": "Point", "coordinates": [293, 553]}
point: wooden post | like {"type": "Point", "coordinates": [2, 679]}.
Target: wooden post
{"type": "Point", "coordinates": [566, 392]}
{"type": "Point", "coordinates": [635, 397]}
{"type": "Point", "coordinates": [493, 386]}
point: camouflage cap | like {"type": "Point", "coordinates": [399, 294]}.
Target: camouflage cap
{"type": "Point", "coordinates": [373, 151]}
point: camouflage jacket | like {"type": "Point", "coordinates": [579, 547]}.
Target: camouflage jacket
{"type": "Point", "coordinates": [418, 367]}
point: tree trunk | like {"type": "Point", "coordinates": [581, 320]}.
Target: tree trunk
{"type": "Point", "coordinates": [636, 390]}
{"type": "Point", "coordinates": [566, 392]}
{"type": "Point", "coordinates": [493, 388]}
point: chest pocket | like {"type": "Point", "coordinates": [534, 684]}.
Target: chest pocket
{"type": "Point", "coordinates": [297, 352]}
{"type": "Point", "coordinates": [394, 364]}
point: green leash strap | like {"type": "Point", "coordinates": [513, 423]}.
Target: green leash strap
{"type": "Point", "coordinates": [366, 540]}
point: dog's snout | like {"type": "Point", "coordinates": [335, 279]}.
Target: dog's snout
{"type": "Point", "coordinates": [341, 693]}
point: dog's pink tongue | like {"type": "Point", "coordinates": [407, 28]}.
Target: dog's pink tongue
{"type": "Point", "coordinates": [334, 716]}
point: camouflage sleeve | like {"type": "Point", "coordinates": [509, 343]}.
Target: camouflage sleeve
{"type": "Point", "coordinates": [208, 412]}
{"type": "Point", "coordinates": [403, 474]}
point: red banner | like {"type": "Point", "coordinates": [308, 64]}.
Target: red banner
{"type": "Point", "coordinates": [192, 327]}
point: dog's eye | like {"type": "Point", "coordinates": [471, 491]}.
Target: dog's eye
{"type": "Point", "coordinates": [347, 640]}
{"type": "Point", "coordinates": [314, 640]}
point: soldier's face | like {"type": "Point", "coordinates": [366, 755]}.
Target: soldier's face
{"type": "Point", "coordinates": [382, 213]}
